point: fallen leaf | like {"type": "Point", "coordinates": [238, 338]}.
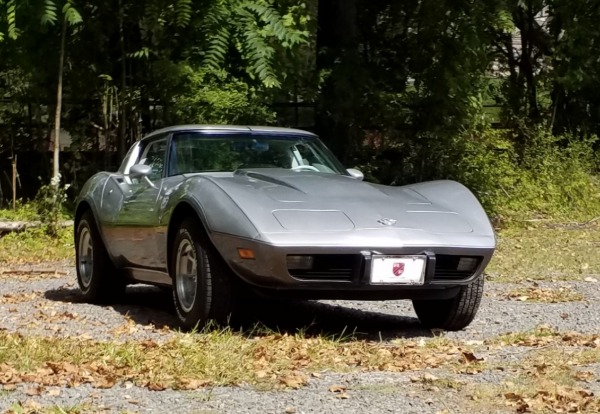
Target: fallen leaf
{"type": "Point", "coordinates": [337, 388]}
{"type": "Point", "coordinates": [586, 376]}
{"type": "Point", "coordinates": [35, 391]}
{"type": "Point", "coordinates": [193, 384]}
{"type": "Point", "coordinates": [469, 357]}
{"type": "Point", "coordinates": [157, 386]}
{"type": "Point", "coordinates": [293, 380]}
{"type": "Point", "coordinates": [261, 374]}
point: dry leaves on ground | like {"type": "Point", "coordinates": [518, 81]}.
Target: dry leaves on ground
{"type": "Point", "coordinates": [544, 335]}
{"type": "Point", "coordinates": [554, 398]}
{"type": "Point", "coordinates": [189, 361]}
{"type": "Point", "coordinates": [545, 295]}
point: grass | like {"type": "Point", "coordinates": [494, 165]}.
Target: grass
{"type": "Point", "coordinates": [31, 407]}
{"type": "Point", "coordinates": [548, 381]}
{"type": "Point", "coordinates": [34, 246]}
{"type": "Point", "coordinates": [545, 295]}
{"type": "Point", "coordinates": [546, 253]}
{"type": "Point", "coordinates": [23, 212]}
{"type": "Point", "coordinates": [545, 336]}
{"type": "Point", "coordinates": [217, 357]}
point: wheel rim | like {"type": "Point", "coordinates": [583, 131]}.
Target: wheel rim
{"type": "Point", "coordinates": [186, 266]}
{"type": "Point", "coordinates": [86, 257]}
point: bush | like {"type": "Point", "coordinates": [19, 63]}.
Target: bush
{"type": "Point", "coordinates": [550, 177]}
{"type": "Point", "coordinates": [218, 98]}
{"type": "Point", "coordinates": [50, 202]}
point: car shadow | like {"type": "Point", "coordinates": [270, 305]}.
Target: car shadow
{"type": "Point", "coordinates": [148, 305]}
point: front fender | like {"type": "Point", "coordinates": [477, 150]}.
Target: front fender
{"type": "Point", "coordinates": [215, 208]}
{"type": "Point", "coordinates": [456, 197]}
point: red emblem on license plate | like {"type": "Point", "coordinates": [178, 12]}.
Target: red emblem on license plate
{"type": "Point", "coordinates": [398, 269]}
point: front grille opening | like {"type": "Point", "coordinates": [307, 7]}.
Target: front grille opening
{"type": "Point", "coordinates": [448, 267]}
{"type": "Point", "coordinates": [327, 267]}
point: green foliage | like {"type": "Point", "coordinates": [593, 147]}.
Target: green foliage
{"type": "Point", "coordinates": [11, 18]}
{"type": "Point", "coordinates": [50, 202]}
{"type": "Point", "coordinates": [35, 245]}
{"type": "Point", "coordinates": [254, 29]}
{"type": "Point", "coordinates": [23, 212]}
{"type": "Point", "coordinates": [554, 177]}
{"type": "Point", "coordinates": [214, 97]}
{"type": "Point", "coordinates": [49, 12]}
{"type": "Point", "coordinates": [71, 14]}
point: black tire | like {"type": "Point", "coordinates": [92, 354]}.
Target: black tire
{"type": "Point", "coordinates": [97, 277]}
{"type": "Point", "coordinates": [451, 314]}
{"type": "Point", "coordinates": [210, 297]}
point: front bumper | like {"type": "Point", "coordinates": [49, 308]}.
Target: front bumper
{"type": "Point", "coordinates": [269, 271]}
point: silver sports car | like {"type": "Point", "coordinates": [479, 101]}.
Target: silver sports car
{"type": "Point", "coordinates": [220, 213]}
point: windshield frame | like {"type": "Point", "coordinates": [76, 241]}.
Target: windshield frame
{"type": "Point", "coordinates": [332, 164]}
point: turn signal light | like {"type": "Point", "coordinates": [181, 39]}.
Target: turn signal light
{"type": "Point", "coordinates": [246, 253]}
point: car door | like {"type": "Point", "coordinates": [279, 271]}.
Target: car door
{"type": "Point", "coordinates": [137, 218]}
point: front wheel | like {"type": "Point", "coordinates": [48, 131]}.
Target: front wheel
{"type": "Point", "coordinates": [202, 283]}
{"type": "Point", "coordinates": [451, 314]}
{"type": "Point", "coordinates": [97, 277]}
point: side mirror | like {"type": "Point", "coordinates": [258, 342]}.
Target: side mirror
{"type": "Point", "coordinates": [140, 171]}
{"type": "Point", "coordinates": [356, 174]}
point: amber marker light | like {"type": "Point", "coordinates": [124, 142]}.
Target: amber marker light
{"type": "Point", "coordinates": [246, 253]}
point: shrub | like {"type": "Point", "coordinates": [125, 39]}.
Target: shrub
{"type": "Point", "coordinates": [550, 177]}
{"type": "Point", "coordinates": [50, 201]}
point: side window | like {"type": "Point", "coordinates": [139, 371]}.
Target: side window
{"type": "Point", "coordinates": [154, 156]}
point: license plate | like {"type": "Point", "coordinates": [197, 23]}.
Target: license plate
{"type": "Point", "coordinates": [398, 270]}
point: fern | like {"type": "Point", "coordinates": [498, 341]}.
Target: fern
{"type": "Point", "coordinates": [183, 11]}
{"type": "Point", "coordinates": [71, 14]}
{"type": "Point", "coordinates": [11, 17]}
{"type": "Point", "coordinates": [49, 12]}
{"type": "Point", "coordinates": [217, 49]}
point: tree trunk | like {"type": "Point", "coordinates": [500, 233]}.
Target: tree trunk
{"type": "Point", "coordinates": [56, 149]}
{"type": "Point", "coordinates": [338, 44]}
{"type": "Point", "coordinates": [123, 101]}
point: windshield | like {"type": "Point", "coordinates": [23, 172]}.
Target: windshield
{"type": "Point", "coordinates": [196, 152]}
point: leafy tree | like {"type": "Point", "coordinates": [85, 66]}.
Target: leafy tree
{"type": "Point", "coordinates": [252, 30]}
{"type": "Point", "coordinates": [574, 63]}
{"type": "Point", "coordinates": [403, 77]}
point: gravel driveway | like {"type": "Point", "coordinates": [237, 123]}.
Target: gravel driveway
{"type": "Point", "coordinates": [49, 305]}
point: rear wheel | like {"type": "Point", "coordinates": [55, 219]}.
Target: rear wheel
{"type": "Point", "coordinates": [97, 277]}
{"type": "Point", "coordinates": [451, 314]}
{"type": "Point", "coordinates": [202, 283]}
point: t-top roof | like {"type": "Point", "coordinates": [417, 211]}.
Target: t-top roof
{"type": "Point", "coordinates": [231, 128]}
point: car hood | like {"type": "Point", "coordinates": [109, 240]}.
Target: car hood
{"type": "Point", "coordinates": [280, 200]}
